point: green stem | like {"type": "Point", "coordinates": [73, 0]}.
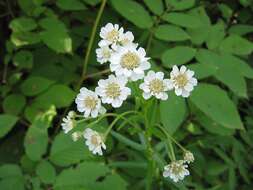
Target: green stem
{"type": "Point", "coordinates": [90, 44]}
{"type": "Point", "coordinates": [172, 156]}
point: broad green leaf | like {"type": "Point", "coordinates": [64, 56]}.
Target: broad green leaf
{"type": "Point", "coordinates": [22, 39]}
{"type": "Point", "coordinates": [70, 5]}
{"type": "Point", "coordinates": [226, 11]}
{"type": "Point", "coordinates": [171, 33]}
{"type": "Point", "coordinates": [218, 106]}
{"type": "Point", "coordinates": [65, 151]}
{"type": "Point", "coordinates": [91, 2]}
{"type": "Point", "coordinates": [58, 95]}
{"type": "Point", "coordinates": [36, 138]}
{"type": "Point", "coordinates": [23, 24]}
{"type": "Point", "coordinates": [11, 177]}
{"type": "Point", "coordinates": [178, 5]}
{"type": "Point", "coordinates": [35, 85]}
{"type": "Point", "coordinates": [23, 59]}
{"type": "Point", "coordinates": [7, 122]}
{"type": "Point", "coordinates": [216, 35]}
{"type": "Point", "coordinates": [173, 112]}
{"type": "Point", "coordinates": [236, 45]}
{"type": "Point", "coordinates": [202, 70]}
{"type": "Point", "coordinates": [134, 12]}
{"type": "Point", "coordinates": [46, 172]}
{"type": "Point", "coordinates": [55, 35]}
{"type": "Point", "coordinates": [178, 55]}
{"type": "Point", "coordinates": [182, 19]}
{"type": "Point", "coordinates": [155, 6]}
{"type": "Point", "coordinates": [14, 104]}
{"type": "Point", "coordinates": [240, 29]}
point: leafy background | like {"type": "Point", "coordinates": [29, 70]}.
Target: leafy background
{"type": "Point", "coordinates": [43, 45]}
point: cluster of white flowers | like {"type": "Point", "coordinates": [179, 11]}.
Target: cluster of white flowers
{"type": "Point", "coordinates": [127, 62]}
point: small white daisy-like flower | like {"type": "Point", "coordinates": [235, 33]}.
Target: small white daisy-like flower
{"type": "Point", "coordinates": [68, 122]}
{"type": "Point", "coordinates": [103, 54]}
{"type": "Point", "coordinates": [188, 157]}
{"type": "Point", "coordinates": [113, 90]}
{"type": "Point", "coordinates": [126, 38]}
{"type": "Point", "coordinates": [182, 80]}
{"type": "Point", "coordinates": [129, 62]}
{"type": "Point", "coordinates": [155, 85]}
{"type": "Point", "coordinates": [110, 34]}
{"type": "Point", "coordinates": [176, 170]}
{"type": "Point", "coordinates": [76, 136]}
{"type": "Point", "coordinates": [89, 103]}
{"type": "Point", "coordinates": [94, 141]}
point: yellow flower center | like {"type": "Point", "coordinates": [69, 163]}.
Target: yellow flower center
{"type": "Point", "coordinates": [94, 140]}
{"type": "Point", "coordinates": [112, 90]}
{"type": "Point", "coordinates": [112, 36]}
{"type": "Point", "coordinates": [106, 53]}
{"type": "Point", "coordinates": [181, 80]}
{"type": "Point", "coordinates": [156, 86]}
{"type": "Point", "coordinates": [130, 60]}
{"type": "Point", "coordinates": [90, 102]}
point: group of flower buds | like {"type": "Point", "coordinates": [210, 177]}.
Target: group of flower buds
{"type": "Point", "coordinates": [177, 170]}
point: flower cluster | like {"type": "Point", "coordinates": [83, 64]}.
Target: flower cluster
{"type": "Point", "coordinates": [128, 63]}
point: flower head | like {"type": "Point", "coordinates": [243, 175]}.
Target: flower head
{"type": "Point", "coordinates": [176, 170]}
{"type": "Point", "coordinates": [88, 102]}
{"type": "Point", "coordinates": [182, 80]}
{"type": "Point", "coordinates": [188, 157]}
{"type": "Point", "coordinates": [76, 136]}
{"type": "Point", "coordinates": [129, 62]}
{"type": "Point", "coordinates": [113, 90]}
{"type": "Point", "coordinates": [68, 122]}
{"type": "Point", "coordinates": [110, 34]}
{"type": "Point", "coordinates": [94, 141]}
{"type": "Point", "coordinates": [155, 85]}
{"type": "Point", "coordinates": [126, 38]}
{"type": "Point", "coordinates": [103, 54]}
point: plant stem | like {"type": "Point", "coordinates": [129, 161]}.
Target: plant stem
{"type": "Point", "coordinates": [90, 44]}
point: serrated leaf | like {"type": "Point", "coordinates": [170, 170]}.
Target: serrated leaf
{"type": "Point", "coordinates": [183, 20]}
{"type": "Point", "coordinates": [155, 6]}
{"type": "Point", "coordinates": [35, 85]}
{"type": "Point", "coordinates": [240, 29]}
{"type": "Point", "coordinates": [202, 70]}
{"type": "Point", "coordinates": [218, 106]}
{"type": "Point", "coordinates": [171, 33]}
{"type": "Point", "coordinates": [134, 12]}
{"type": "Point", "coordinates": [7, 122]}
{"type": "Point", "coordinates": [46, 172]}
{"type": "Point", "coordinates": [14, 103]}
{"type": "Point", "coordinates": [23, 24]}
{"type": "Point", "coordinates": [216, 35]}
{"type": "Point", "coordinates": [178, 55]}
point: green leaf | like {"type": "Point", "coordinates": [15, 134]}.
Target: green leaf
{"type": "Point", "coordinates": [91, 2]}
{"type": "Point", "coordinates": [23, 59]}
{"type": "Point", "coordinates": [134, 12]}
{"type": "Point", "coordinates": [55, 35]}
{"type": "Point", "coordinates": [36, 138]}
{"type": "Point", "coordinates": [178, 55]}
{"type": "Point", "coordinates": [70, 5]}
{"type": "Point", "coordinates": [178, 5]}
{"type": "Point", "coordinates": [14, 104]}
{"type": "Point", "coordinates": [7, 122]}
{"type": "Point", "coordinates": [171, 33]}
{"type": "Point", "coordinates": [23, 24]}
{"type": "Point", "coordinates": [46, 172]}
{"type": "Point", "coordinates": [218, 106]}
{"type": "Point", "coordinates": [35, 85]}
{"type": "Point", "coordinates": [240, 29]}
{"type": "Point", "coordinates": [236, 45]}
{"type": "Point", "coordinates": [11, 177]}
{"type": "Point", "coordinates": [155, 6]}
{"type": "Point", "coordinates": [182, 19]}
{"type": "Point", "coordinates": [65, 152]}
{"type": "Point", "coordinates": [58, 95]}
{"type": "Point", "coordinates": [202, 70]}
{"type": "Point", "coordinates": [216, 35]}
{"type": "Point", "coordinates": [22, 39]}
{"type": "Point", "coordinates": [173, 112]}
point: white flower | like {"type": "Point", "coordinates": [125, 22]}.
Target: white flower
{"type": "Point", "coordinates": [176, 170]}
{"type": "Point", "coordinates": [126, 38]}
{"type": "Point", "coordinates": [94, 141]}
{"type": "Point", "coordinates": [130, 62]}
{"type": "Point", "coordinates": [88, 102]}
{"type": "Point", "coordinates": [68, 122]}
{"type": "Point", "coordinates": [182, 80]}
{"type": "Point", "coordinates": [188, 157]}
{"type": "Point", "coordinates": [155, 85]}
{"type": "Point", "coordinates": [76, 135]}
{"type": "Point", "coordinates": [103, 54]}
{"type": "Point", "coordinates": [110, 34]}
{"type": "Point", "coordinates": [113, 90]}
